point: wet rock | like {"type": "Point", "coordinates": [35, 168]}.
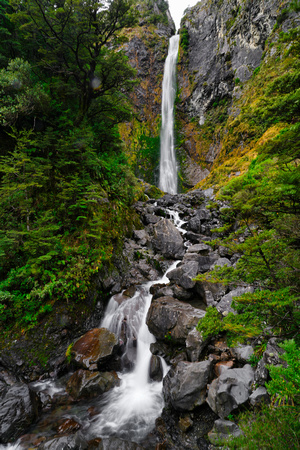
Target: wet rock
{"type": "Point", "coordinates": [184, 386]}
{"type": "Point", "coordinates": [19, 408]}
{"type": "Point", "coordinates": [97, 346]}
{"type": "Point", "coordinates": [68, 426]}
{"type": "Point", "coordinates": [86, 384]}
{"type": "Point", "coordinates": [230, 390]}
{"type": "Point", "coordinates": [72, 442]}
{"type": "Point", "coordinates": [167, 240]}
{"type": "Point", "coordinates": [259, 396]}
{"type": "Point", "coordinates": [195, 345]}
{"type": "Point", "coordinates": [223, 430]}
{"type": "Point", "coordinates": [184, 274]}
{"type": "Point", "coordinates": [112, 443]}
{"type": "Point", "coordinates": [155, 369]}
{"type": "Point", "coordinates": [172, 318]}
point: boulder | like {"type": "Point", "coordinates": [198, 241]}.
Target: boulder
{"type": "Point", "coordinates": [19, 408]}
{"type": "Point", "coordinates": [202, 249]}
{"type": "Point", "coordinates": [195, 344]}
{"type": "Point", "coordinates": [242, 353]}
{"type": "Point", "coordinates": [184, 386]}
{"type": "Point", "coordinates": [224, 305]}
{"type": "Point", "coordinates": [155, 369]}
{"type": "Point", "coordinates": [200, 216]}
{"type": "Point", "coordinates": [260, 395]}
{"type": "Point", "coordinates": [97, 346]}
{"type": "Point", "coordinates": [184, 274]}
{"type": "Point", "coordinates": [221, 262]}
{"type": "Point", "coordinates": [86, 384]}
{"type": "Point", "coordinates": [167, 240]}
{"type": "Point", "coordinates": [230, 390]}
{"type": "Point", "coordinates": [223, 430]}
{"type": "Point", "coordinates": [168, 317]}
{"type": "Point", "coordinates": [271, 356]}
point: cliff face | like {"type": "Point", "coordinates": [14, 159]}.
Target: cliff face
{"type": "Point", "coordinates": [222, 43]}
{"type": "Point", "coordinates": [147, 50]}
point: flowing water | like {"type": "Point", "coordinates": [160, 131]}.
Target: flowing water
{"type": "Point", "coordinates": [168, 165]}
{"type": "Point", "coordinates": [131, 409]}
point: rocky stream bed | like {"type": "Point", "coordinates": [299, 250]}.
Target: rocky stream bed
{"type": "Point", "coordinates": [197, 382]}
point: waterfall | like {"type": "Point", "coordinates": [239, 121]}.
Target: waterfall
{"type": "Point", "coordinates": [168, 165]}
{"type": "Point", "coordinates": [130, 410]}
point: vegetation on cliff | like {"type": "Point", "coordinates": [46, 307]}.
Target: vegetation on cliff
{"type": "Point", "coordinates": [257, 174]}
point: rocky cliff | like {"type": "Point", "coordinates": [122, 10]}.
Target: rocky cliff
{"type": "Point", "coordinates": [222, 45]}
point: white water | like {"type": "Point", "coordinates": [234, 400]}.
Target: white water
{"type": "Point", "coordinates": [168, 165]}
{"type": "Point", "coordinates": [131, 409]}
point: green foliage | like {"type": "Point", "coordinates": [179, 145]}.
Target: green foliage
{"type": "Point", "coordinates": [269, 428]}
{"type": "Point", "coordinates": [69, 352]}
{"type": "Point", "coordinates": [284, 386]}
{"type": "Point", "coordinates": [65, 185]}
{"type": "Point", "coordinates": [211, 324]}
{"type": "Point", "coordinates": [184, 39]}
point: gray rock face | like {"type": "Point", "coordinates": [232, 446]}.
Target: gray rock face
{"type": "Point", "coordinates": [222, 430]}
{"type": "Point", "coordinates": [226, 41]}
{"type": "Point", "coordinates": [167, 240]}
{"type": "Point", "coordinates": [19, 408]}
{"type": "Point", "coordinates": [231, 389]}
{"type": "Point", "coordinates": [171, 319]}
{"type": "Point", "coordinates": [185, 385]}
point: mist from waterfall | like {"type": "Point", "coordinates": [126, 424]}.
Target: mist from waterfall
{"type": "Point", "coordinates": [168, 164]}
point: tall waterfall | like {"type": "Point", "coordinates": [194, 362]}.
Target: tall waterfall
{"type": "Point", "coordinates": [168, 165]}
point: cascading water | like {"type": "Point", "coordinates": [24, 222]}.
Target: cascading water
{"type": "Point", "coordinates": [168, 165]}
{"type": "Point", "coordinates": [130, 410]}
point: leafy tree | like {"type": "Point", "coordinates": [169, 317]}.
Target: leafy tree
{"type": "Point", "coordinates": [76, 41]}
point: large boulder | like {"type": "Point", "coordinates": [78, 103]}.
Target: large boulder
{"type": "Point", "coordinates": [184, 386]}
{"type": "Point", "coordinates": [19, 408]}
{"type": "Point", "coordinates": [230, 390]}
{"type": "Point", "coordinates": [184, 274]}
{"type": "Point", "coordinates": [167, 240]}
{"type": "Point", "coordinates": [86, 384]}
{"type": "Point", "coordinates": [96, 347]}
{"type": "Point", "coordinates": [171, 319]}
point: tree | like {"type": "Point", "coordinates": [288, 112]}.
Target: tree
{"type": "Point", "coordinates": [76, 41]}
